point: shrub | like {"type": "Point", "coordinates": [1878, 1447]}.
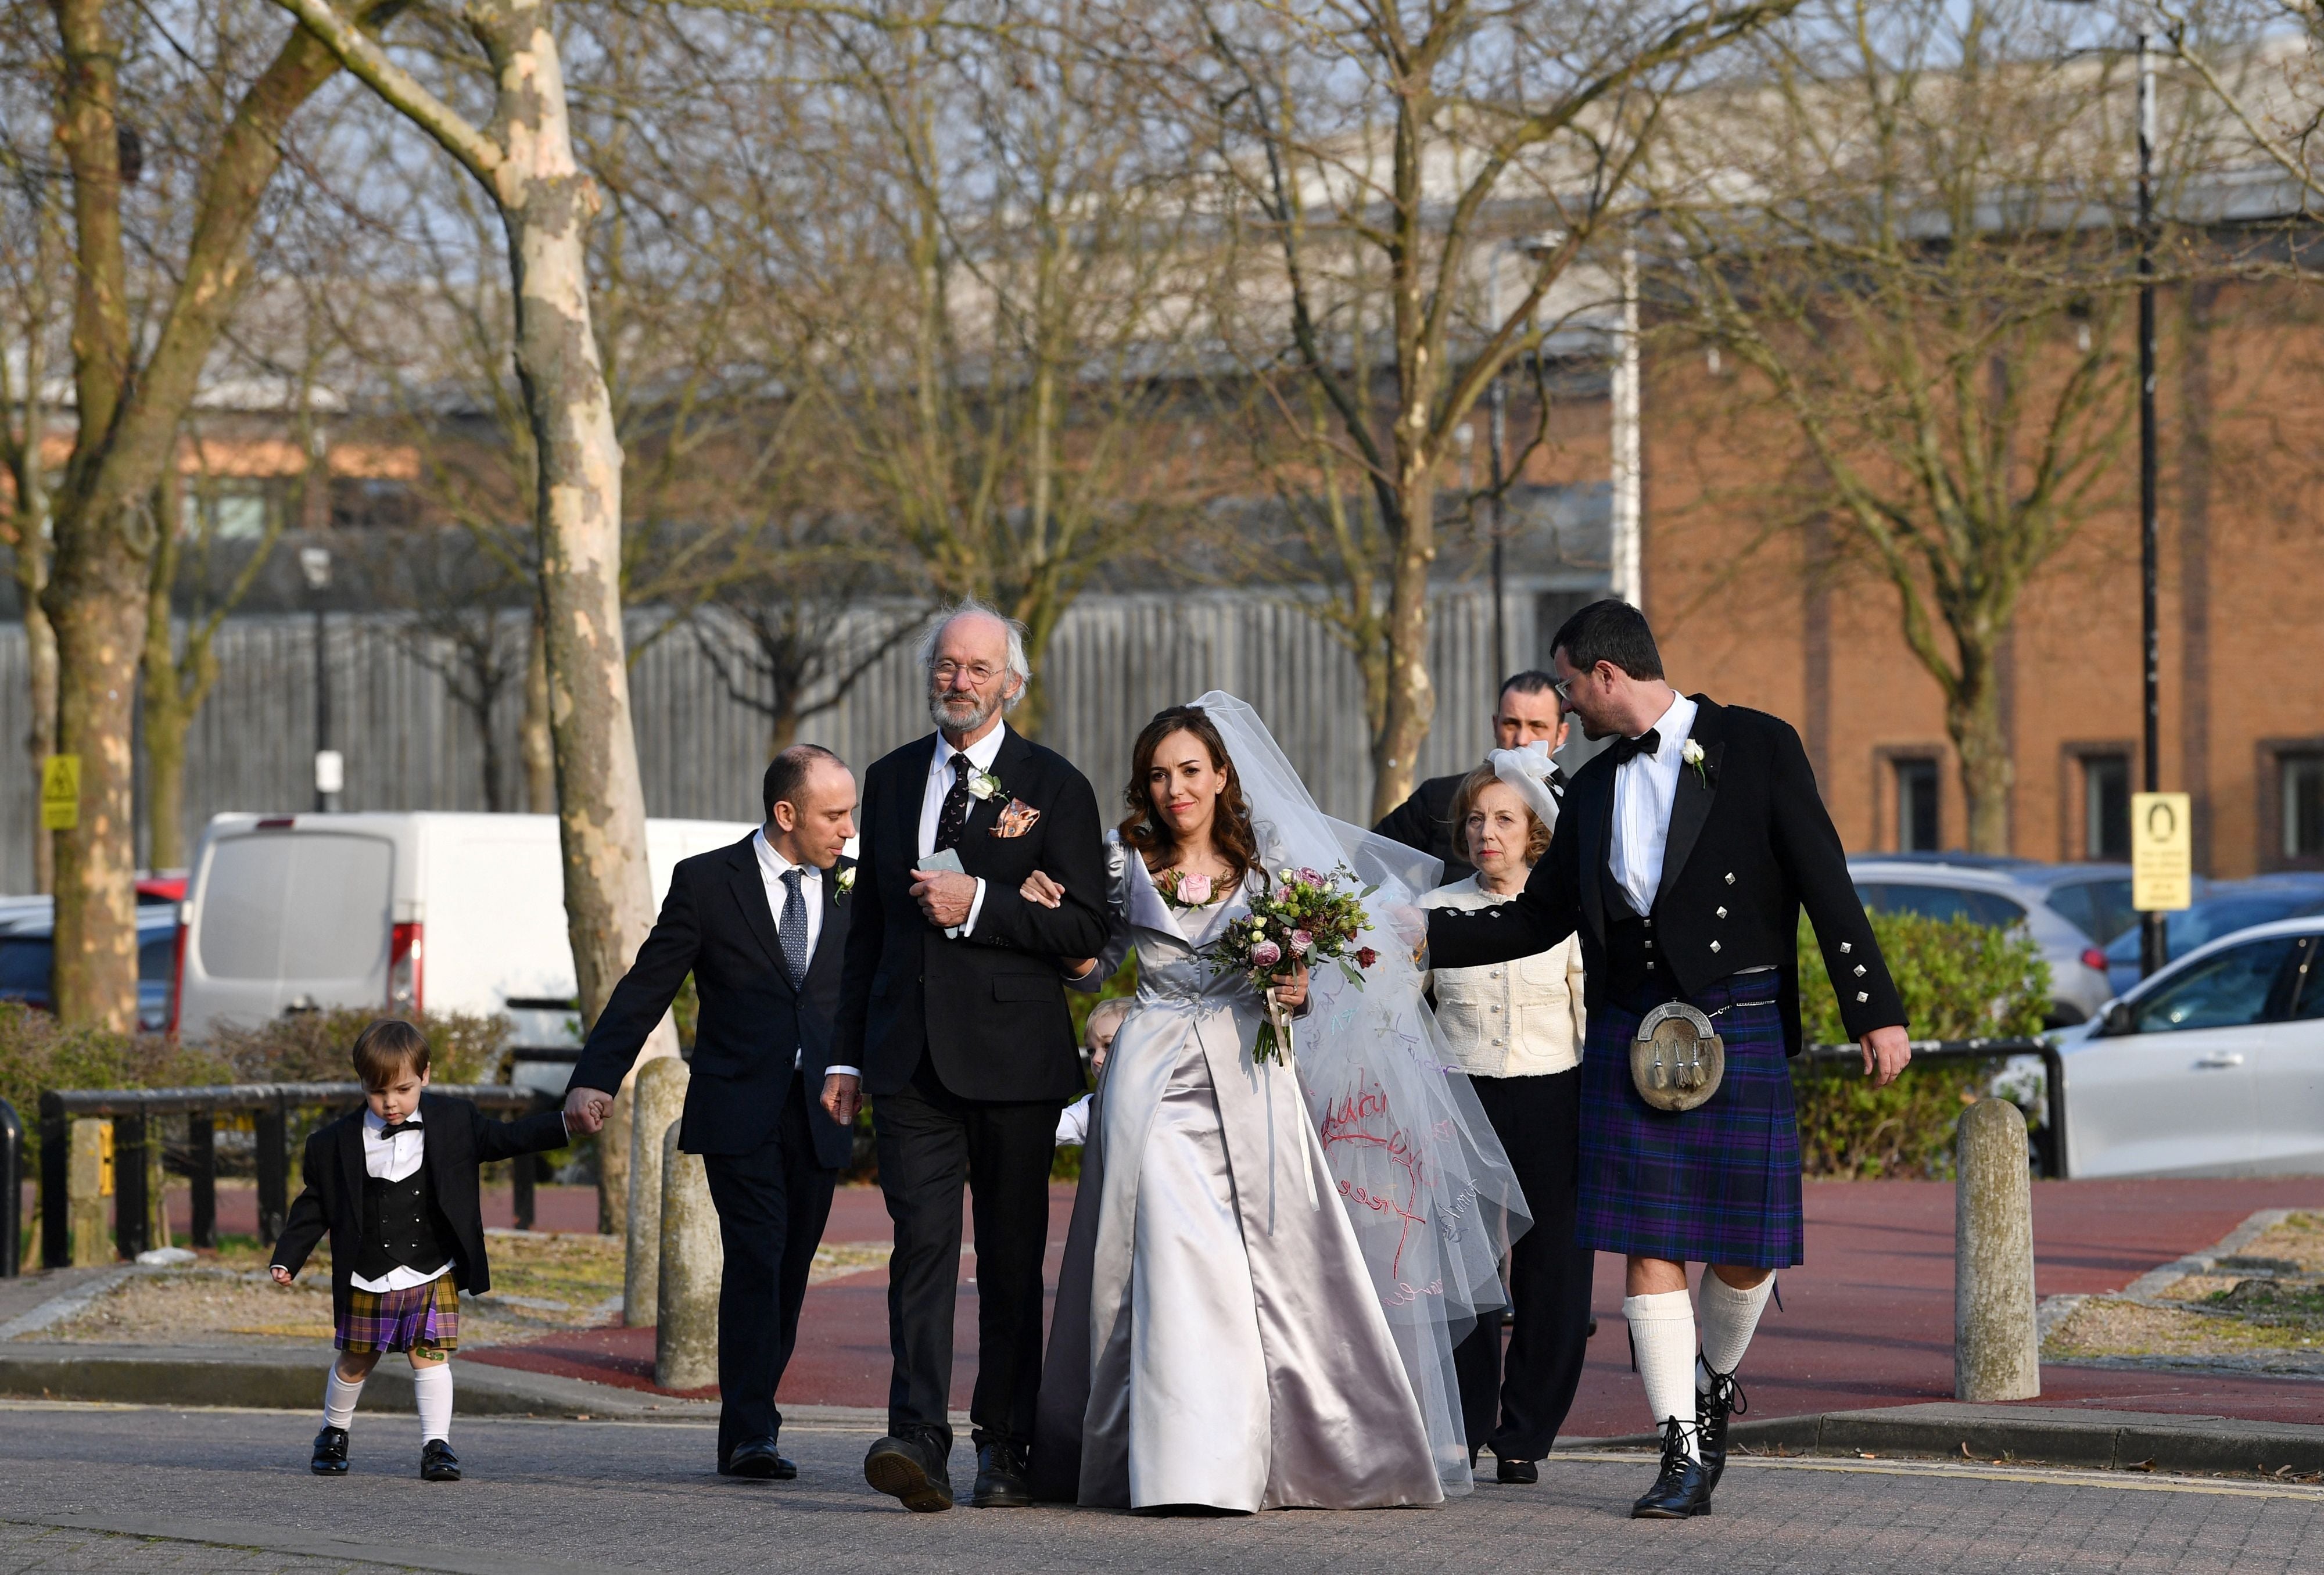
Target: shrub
{"type": "Point", "coordinates": [1959, 980]}
{"type": "Point", "coordinates": [37, 1053]}
{"type": "Point", "coordinates": [315, 1046]}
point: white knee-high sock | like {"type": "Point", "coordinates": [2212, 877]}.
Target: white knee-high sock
{"type": "Point", "coordinates": [1728, 1317]}
{"type": "Point", "coordinates": [339, 1397]}
{"type": "Point", "coordinates": [431, 1387]}
{"type": "Point", "coordinates": [1662, 1333]}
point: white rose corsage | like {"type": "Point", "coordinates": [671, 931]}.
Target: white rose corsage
{"type": "Point", "coordinates": [984, 785]}
{"type": "Point", "coordinates": [847, 880]}
{"type": "Point", "coordinates": [1690, 753]}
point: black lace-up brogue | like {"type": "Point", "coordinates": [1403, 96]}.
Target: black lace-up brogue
{"type": "Point", "coordinates": [1681, 1489]}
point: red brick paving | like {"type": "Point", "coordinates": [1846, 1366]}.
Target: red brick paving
{"type": "Point", "coordinates": [1867, 1320]}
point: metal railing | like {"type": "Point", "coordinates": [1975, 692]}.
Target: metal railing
{"type": "Point", "coordinates": [12, 1183]}
{"type": "Point", "coordinates": [2050, 1142]}
{"type": "Point", "coordinates": [270, 1105]}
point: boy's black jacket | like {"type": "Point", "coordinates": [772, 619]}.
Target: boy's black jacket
{"type": "Point", "coordinates": [459, 1139]}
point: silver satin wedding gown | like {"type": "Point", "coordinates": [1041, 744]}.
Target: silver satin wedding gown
{"type": "Point", "coordinates": [1218, 1339]}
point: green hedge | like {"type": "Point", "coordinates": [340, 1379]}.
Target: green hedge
{"type": "Point", "coordinates": [1959, 980]}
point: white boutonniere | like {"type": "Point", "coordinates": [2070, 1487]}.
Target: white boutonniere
{"type": "Point", "coordinates": [846, 880]}
{"type": "Point", "coordinates": [984, 785]}
{"type": "Point", "coordinates": [1690, 753]}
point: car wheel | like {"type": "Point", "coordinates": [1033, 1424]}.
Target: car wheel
{"type": "Point", "coordinates": [2063, 1014]}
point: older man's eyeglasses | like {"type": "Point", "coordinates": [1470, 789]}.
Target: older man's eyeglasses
{"type": "Point", "coordinates": [979, 673]}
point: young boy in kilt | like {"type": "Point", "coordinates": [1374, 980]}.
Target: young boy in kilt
{"type": "Point", "coordinates": [396, 1187]}
{"type": "Point", "coordinates": [1684, 856]}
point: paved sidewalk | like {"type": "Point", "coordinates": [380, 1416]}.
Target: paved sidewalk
{"type": "Point", "coordinates": [545, 1498]}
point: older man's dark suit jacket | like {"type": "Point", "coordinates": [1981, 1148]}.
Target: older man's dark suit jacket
{"type": "Point", "coordinates": [1750, 845]}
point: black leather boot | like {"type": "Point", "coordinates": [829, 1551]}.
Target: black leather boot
{"type": "Point", "coordinates": [912, 1469]}
{"type": "Point", "coordinates": [1726, 1399]}
{"type": "Point", "coordinates": [1681, 1489]}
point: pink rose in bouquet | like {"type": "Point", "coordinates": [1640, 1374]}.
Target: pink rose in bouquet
{"type": "Point", "coordinates": [1266, 954]}
{"type": "Point", "coordinates": [1307, 916]}
{"type": "Point", "coordinates": [1302, 942]}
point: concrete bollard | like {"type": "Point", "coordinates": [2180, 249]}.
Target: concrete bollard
{"type": "Point", "coordinates": [1996, 1349]}
{"type": "Point", "coordinates": [658, 1099]}
{"type": "Point", "coordinates": [157, 1188]}
{"type": "Point", "coordinates": [693, 1263]}
{"type": "Point", "coordinates": [85, 1194]}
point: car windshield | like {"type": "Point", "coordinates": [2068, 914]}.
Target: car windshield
{"type": "Point", "coordinates": [2206, 921]}
{"type": "Point", "coordinates": [1941, 902]}
{"type": "Point", "coordinates": [2101, 910]}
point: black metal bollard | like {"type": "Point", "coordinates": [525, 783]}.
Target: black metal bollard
{"type": "Point", "coordinates": [274, 1170]}
{"type": "Point", "coordinates": [11, 1181]}
{"type": "Point", "coordinates": [131, 1221]}
{"type": "Point", "coordinates": [201, 1165]}
{"type": "Point", "coordinates": [56, 1171]}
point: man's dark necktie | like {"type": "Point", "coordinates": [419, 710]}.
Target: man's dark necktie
{"type": "Point", "coordinates": [953, 815]}
{"type": "Point", "coordinates": [793, 929]}
{"type": "Point", "coordinates": [1626, 750]}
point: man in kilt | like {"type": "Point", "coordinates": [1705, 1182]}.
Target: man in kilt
{"type": "Point", "coordinates": [1683, 857]}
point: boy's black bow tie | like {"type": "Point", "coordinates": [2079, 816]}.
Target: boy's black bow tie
{"type": "Point", "coordinates": [1627, 749]}
{"type": "Point", "coordinates": [391, 1128]}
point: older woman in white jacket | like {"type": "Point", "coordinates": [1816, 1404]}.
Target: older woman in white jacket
{"type": "Point", "coordinates": [1516, 1028]}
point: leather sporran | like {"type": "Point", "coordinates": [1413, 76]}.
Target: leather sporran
{"type": "Point", "coordinates": [1677, 1061]}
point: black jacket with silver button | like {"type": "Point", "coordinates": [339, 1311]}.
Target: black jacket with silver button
{"type": "Point", "coordinates": [1750, 845]}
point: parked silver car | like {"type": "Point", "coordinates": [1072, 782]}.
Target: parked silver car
{"type": "Point", "coordinates": [2214, 1066]}
{"type": "Point", "coordinates": [2072, 910]}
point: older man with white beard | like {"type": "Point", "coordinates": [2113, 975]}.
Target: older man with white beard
{"type": "Point", "coordinates": [952, 1001]}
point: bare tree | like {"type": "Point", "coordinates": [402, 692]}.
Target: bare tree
{"type": "Point", "coordinates": [34, 260]}
{"type": "Point", "coordinates": [1911, 281]}
{"type": "Point", "coordinates": [141, 336]}
{"type": "Point", "coordinates": [1407, 155]}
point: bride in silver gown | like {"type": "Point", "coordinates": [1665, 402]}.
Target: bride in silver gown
{"type": "Point", "coordinates": [1269, 1264]}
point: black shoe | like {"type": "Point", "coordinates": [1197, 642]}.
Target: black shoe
{"type": "Point", "coordinates": [1516, 1473]}
{"type": "Point", "coordinates": [330, 1456]}
{"type": "Point", "coordinates": [1681, 1489]}
{"type": "Point", "coordinates": [1726, 1399]}
{"type": "Point", "coordinates": [757, 1460]}
{"type": "Point", "coordinates": [910, 1470]}
{"type": "Point", "coordinates": [437, 1463]}
{"type": "Point", "coordinates": [1593, 1328]}
{"type": "Point", "coordinates": [1001, 1478]}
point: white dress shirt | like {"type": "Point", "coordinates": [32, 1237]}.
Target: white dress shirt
{"type": "Point", "coordinates": [773, 867]}
{"type": "Point", "coordinates": [1645, 788]}
{"type": "Point", "coordinates": [981, 755]}
{"type": "Point", "coordinates": [395, 1159]}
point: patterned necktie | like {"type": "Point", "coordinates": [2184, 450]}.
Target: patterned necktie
{"type": "Point", "coordinates": [953, 815]}
{"type": "Point", "coordinates": [793, 929]}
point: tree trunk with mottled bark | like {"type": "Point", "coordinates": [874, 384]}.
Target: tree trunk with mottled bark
{"type": "Point", "coordinates": [532, 731]}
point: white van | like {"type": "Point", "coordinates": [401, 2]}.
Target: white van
{"type": "Point", "coordinates": [402, 912]}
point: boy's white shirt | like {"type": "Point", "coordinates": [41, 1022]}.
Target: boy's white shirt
{"type": "Point", "coordinates": [1072, 1121]}
{"type": "Point", "coordinates": [395, 1159]}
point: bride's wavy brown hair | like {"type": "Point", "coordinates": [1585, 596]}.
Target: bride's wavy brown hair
{"type": "Point", "coordinates": [1143, 830]}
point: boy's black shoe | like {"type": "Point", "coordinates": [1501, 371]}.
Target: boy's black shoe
{"type": "Point", "coordinates": [1516, 1473]}
{"type": "Point", "coordinates": [1681, 1489]}
{"type": "Point", "coordinates": [330, 1457]}
{"type": "Point", "coordinates": [910, 1470]}
{"type": "Point", "coordinates": [437, 1463]}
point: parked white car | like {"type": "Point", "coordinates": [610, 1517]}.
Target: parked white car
{"type": "Point", "coordinates": [2214, 1066]}
{"type": "Point", "coordinates": [400, 912]}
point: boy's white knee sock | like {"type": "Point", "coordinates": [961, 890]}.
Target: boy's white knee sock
{"type": "Point", "coordinates": [1729, 1318]}
{"type": "Point", "coordinates": [431, 1386]}
{"type": "Point", "coordinates": [1662, 1333]}
{"type": "Point", "coordinates": [339, 1397]}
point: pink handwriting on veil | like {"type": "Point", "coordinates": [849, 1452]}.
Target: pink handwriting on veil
{"type": "Point", "coordinates": [1379, 1206]}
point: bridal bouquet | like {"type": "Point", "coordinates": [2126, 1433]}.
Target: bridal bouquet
{"type": "Point", "coordinates": [1303, 918]}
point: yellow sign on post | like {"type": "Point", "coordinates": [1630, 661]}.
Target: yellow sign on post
{"type": "Point", "coordinates": [2161, 851]}
{"type": "Point", "coordinates": [61, 793]}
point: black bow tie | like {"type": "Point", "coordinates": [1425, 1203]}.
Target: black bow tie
{"type": "Point", "coordinates": [1628, 749]}
{"type": "Point", "coordinates": [391, 1128]}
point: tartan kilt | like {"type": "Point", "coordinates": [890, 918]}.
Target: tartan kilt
{"type": "Point", "coordinates": [1719, 1183]}
{"type": "Point", "coordinates": [416, 1318]}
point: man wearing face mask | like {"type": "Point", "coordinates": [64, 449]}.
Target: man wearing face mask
{"type": "Point", "coordinates": [1527, 713]}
